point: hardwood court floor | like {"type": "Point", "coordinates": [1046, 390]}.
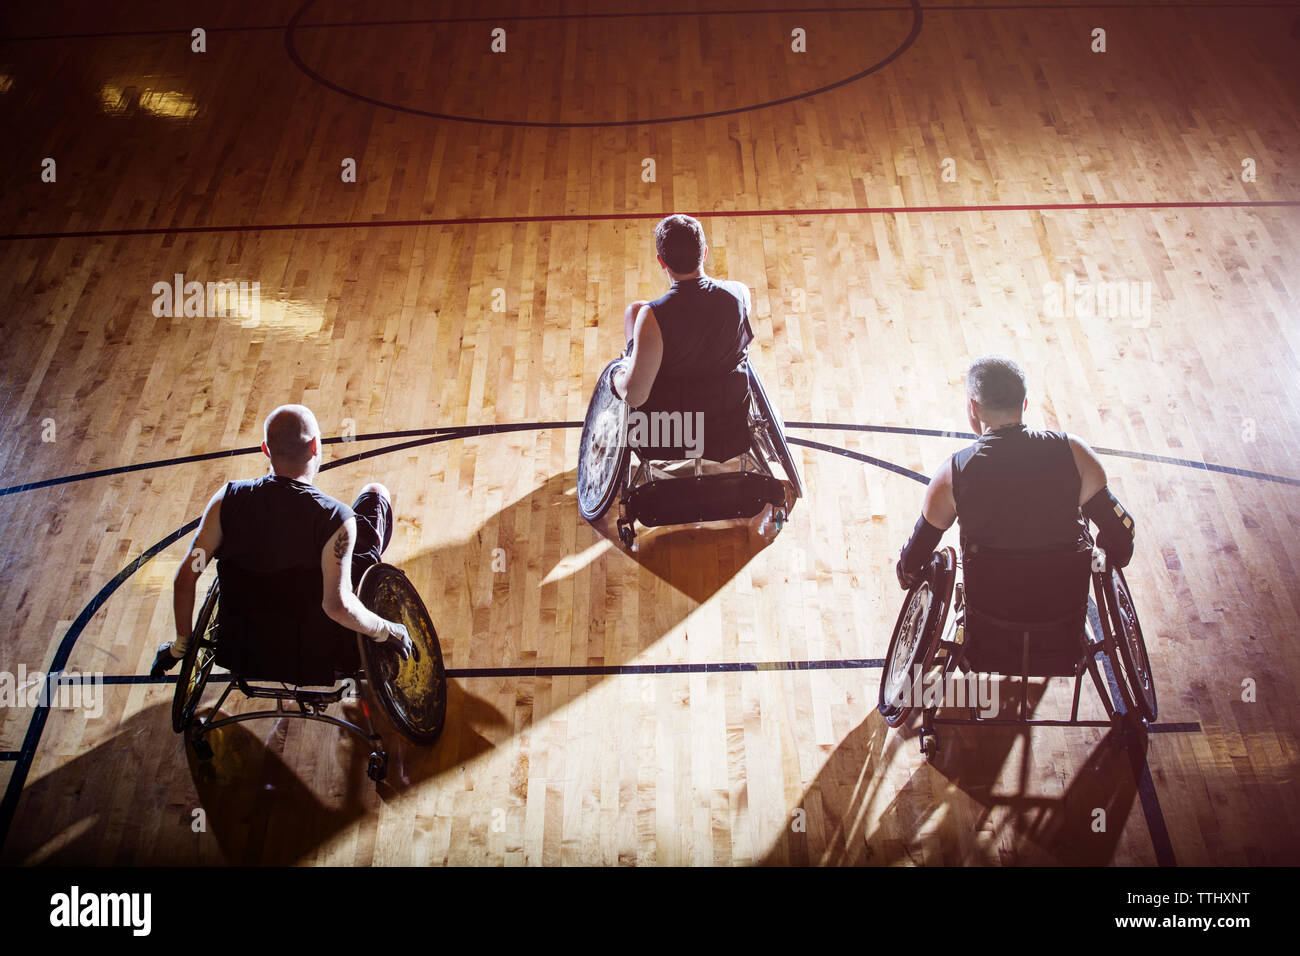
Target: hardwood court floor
{"type": "Point", "coordinates": [377, 310]}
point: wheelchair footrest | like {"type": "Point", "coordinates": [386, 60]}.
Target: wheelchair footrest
{"type": "Point", "coordinates": [702, 498]}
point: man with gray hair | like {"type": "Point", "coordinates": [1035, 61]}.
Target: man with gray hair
{"type": "Point", "coordinates": [1016, 488]}
{"type": "Point", "coordinates": [282, 522]}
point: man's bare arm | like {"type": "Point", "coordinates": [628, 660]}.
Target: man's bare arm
{"type": "Point", "coordinates": [937, 515]}
{"type": "Point", "coordinates": [206, 541]}
{"type": "Point", "coordinates": [1091, 473]}
{"type": "Point", "coordinates": [338, 601]}
{"type": "Point", "coordinates": [634, 381]}
{"type": "Point", "coordinates": [940, 507]}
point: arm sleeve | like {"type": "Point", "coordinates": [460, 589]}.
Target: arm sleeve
{"type": "Point", "coordinates": [918, 550]}
{"type": "Point", "coordinates": [1115, 527]}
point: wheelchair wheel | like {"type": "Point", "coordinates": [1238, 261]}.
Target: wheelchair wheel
{"type": "Point", "coordinates": [412, 693]}
{"type": "Point", "coordinates": [603, 452]}
{"type": "Point", "coordinates": [1130, 643]}
{"type": "Point", "coordinates": [196, 665]}
{"type": "Point", "coordinates": [916, 638]}
{"type": "Point", "coordinates": [773, 431]}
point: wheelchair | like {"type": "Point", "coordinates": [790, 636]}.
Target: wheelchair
{"type": "Point", "coordinates": [304, 667]}
{"type": "Point", "coordinates": [1016, 614]}
{"type": "Point", "coordinates": [649, 492]}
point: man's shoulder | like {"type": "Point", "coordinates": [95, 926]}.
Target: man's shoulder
{"type": "Point", "coordinates": [734, 287]}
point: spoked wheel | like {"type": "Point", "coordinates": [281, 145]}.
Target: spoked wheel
{"type": "Point", "coordinates": [772, 429]}
{"type": "Point", "coordinates": [412, 692]}
{"type": "Point", "coordinates": [916, 638]}
{"type": "Point", "coordinates": [603, 452]}
{"type": "Point", "coordinates": [196, 665]}
{"type": "Point", "coordinates": [1132, 647]}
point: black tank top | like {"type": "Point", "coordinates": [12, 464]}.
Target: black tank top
{"type": "Point", "coordinates": [705, 327]}
{"type": "Point", "coordinates": [274, 524]}
{"type": "Point", "coordinates": [1017, 489]}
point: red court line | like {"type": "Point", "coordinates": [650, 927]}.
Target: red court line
{"type": "Point", "coordinates": [628, 216]}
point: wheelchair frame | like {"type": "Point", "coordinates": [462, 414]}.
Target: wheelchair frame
{"type": "Point", "coordinates": [640, 486]}
{"type": "Point", "coordinates": [312, 704]}
{"type": "Point", "coordinates": [940, 639]}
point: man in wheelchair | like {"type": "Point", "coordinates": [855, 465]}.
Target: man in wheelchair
{"type": "Point", "coordinates": [686, 355]}
{"type": "Point", "coordinates": [281, 528]}
{"type": "Point", "coordinates": [1015, 489]}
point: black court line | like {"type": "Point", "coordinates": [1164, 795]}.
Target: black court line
{"type": "Point", "coordinates": [8, 755]}
{"type": "Point", "coordinates": [470, 431]}
{"type": "Point", "coordinates": [1113, 452]}
{"type": "Point", "coordinates": [859, 456]}
{"type": "Point", "coordinates": [656, 216]}
{"type": "Point", "coordinates": [35, 729]}
{"type": "Point", "coordinates": [291, 50]}
{"type": "Point", "coordinates": [458, 431]}
{"type": "Point", "coordinates": [755, 11]}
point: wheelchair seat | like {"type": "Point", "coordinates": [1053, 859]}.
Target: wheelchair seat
{"type": "Point", "coordinates": [653, 494]}
{"type": "Point", "coordinates": [1026, 612]}
{"type": "Point", "coordinates": [273, 628]}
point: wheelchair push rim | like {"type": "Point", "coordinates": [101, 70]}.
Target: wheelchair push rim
{"type": "Point", "coordinates": [1131, 644]}
{"type": "Point", "coordinates": [603, 451]}
{"type": "Point", "coordinates": [196, 665]}
{"type": "Point", "coordinates": [774, 431]}
{"type": "Point", "coordinates": [916, 637]}
{"type": "Point", "coordinates": [412, 693]}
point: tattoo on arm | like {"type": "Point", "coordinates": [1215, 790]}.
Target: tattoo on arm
{"type": "Point", "coordinates": [340, 547]}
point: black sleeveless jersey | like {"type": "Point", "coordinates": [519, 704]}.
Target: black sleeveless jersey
{"type": "Point", "coordinates": [1017, 489]}
{"type": "Point", "coordinates": [273, 627]}
{"type": "Point", "coordinates": [705, 327]}
{"type": "Point", "coordinates": [274, 524]}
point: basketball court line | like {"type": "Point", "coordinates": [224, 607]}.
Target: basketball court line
{"type": "Point", "coordinates": [656, 216]}
{"type": "Point", "coordinates": [471, 431]}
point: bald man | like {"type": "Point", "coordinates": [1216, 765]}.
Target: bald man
{"type": "Point", "coordinates": [281, 521]}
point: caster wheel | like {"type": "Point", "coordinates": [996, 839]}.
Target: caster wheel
{"type": "Point", "coordinates": [377, 769]}
{"type": "Point", "coordinates": [626, 534]}
{"type": "Point", "coordinates": [778, 518]}
{"type": "Point", "coordinates": [929, 745]}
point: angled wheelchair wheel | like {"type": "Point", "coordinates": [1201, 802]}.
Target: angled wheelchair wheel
{"type": "Point", "coordinates": [773, 431]}
{"type": "Point", "coordinates": [412, 693]}
{"type": "Point", "coordinates": [603, 452]}
{"type": "Point", "coordinates": [196, 665]}
{"type": "Point", "coordinates": [915, 641]}
{"type": "Point", "coordinates": [1127, 629]}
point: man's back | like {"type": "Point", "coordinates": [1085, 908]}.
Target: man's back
{"type": "Point", "coordinates": [271, 618]}
{"type": "Point", "coordinates": [705, 327]}
{"type": "Point", "coordinates": [1017, 489]}
{"type": "Point", "coordinates": [273, 524]}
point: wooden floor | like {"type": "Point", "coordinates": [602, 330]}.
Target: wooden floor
{"type": "Point", "coordinates": [377, 310]}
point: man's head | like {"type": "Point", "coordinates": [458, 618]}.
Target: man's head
{"type": "Point", "coordinates": [679, 241]}
{"type": "Point", "coordinates": [995, 392]}
{"type": "Point", "coordinates": [292, 442]}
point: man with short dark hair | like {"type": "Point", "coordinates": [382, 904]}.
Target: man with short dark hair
{"type": "Point", "coordinates": [282, 522]}
{"type": "Point", "coordinates": [687, 348]}
{"type": "Point", "coordinates": [1016, 488]}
